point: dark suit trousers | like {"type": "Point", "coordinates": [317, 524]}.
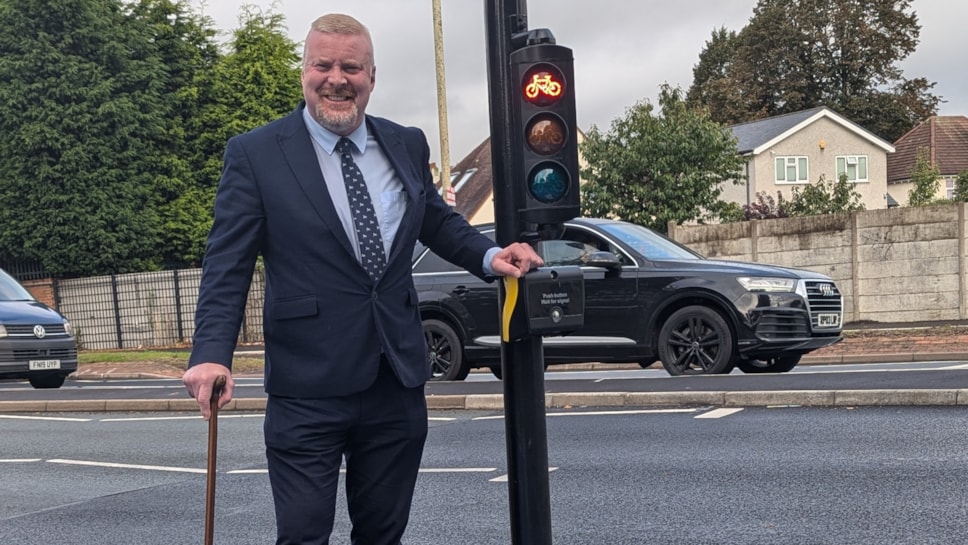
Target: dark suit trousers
{"type": "Point", "coordinates": [380, 431]}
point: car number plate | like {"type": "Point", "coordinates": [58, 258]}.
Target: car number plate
{"type": "Point", "coordinates": [828, 320]}
{"type": "Point", "coordinates": [41, 365]}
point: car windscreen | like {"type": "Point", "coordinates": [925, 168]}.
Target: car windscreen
{"type": "Point", "coordinates": [647, 242]}
{"type": "Point", "coordinates": [10, 290]}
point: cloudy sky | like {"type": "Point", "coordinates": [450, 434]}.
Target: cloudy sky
{"type": "Point", "coordinates": [624, 50]}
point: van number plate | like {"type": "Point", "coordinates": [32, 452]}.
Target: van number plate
{"type": "Point", "coordinates": [41, 365]}
{"type": "Point", "coordinates": [828, 320]}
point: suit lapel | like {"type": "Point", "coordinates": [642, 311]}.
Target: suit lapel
{"type": "Point", "coordinates": [396, 152]}
{"type": "Point", "coordinates": [297, 148]}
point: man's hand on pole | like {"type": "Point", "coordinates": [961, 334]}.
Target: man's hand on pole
{"type": "Point", "coordinates": [515, 260]}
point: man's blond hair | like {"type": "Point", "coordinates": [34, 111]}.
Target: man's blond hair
{"type": "Point", "coordinates": [338, 23]}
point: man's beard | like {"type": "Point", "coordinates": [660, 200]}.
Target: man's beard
{"type": "Point", "coordinates": [337, 122]}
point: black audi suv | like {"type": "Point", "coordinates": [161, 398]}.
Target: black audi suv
{"type": "Point", "coordinates": [647, 298]}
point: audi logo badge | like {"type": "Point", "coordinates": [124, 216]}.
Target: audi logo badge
{"type": "Point", "coordinates": [826, 289]}
{"type": "Point", "coordinates": [39, 331]}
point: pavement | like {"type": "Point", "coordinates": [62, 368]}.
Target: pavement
{"type": "Point", "coordinates": [882, 344]}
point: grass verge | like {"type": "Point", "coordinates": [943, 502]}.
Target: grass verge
{"type": "Point", "coordinates": [173, 358]}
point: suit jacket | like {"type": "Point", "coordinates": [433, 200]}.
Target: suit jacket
{"type": "Point", "coordinates": [326, 323]}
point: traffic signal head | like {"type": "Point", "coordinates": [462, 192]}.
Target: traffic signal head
{"type": "Point", "coordinates": [545, 145]}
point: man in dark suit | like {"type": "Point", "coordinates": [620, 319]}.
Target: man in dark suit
{"type": "Point", "coordinates": [334, 201]}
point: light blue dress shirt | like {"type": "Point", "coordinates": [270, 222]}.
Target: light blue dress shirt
{"type": "Point", "coordinates": [386, 190]}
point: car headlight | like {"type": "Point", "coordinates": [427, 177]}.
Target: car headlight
{"type": "Point", "coordinates": [3, 331]}
{"type": "Point", "coordinates": [68, 328]}
{"type": "Point", "coordinates": [765, 283]}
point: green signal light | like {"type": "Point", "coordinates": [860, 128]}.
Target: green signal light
{"type": "Point", "coordinates": [548, 182]}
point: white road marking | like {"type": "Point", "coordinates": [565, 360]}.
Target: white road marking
{"type": "Point", "coordinates": [601, 413]}
{"type": "Point", "coordinates": [504, 478]}
{"type": "Point", "coordinates": [422, 470]}
{"type": "Point", "coordinates": [641, 411]}
{"type": "Point", "coordinates": [719, 413]}
{"type": "Point", "coordinates": [221, 416]}
{"type": "Point", "coordinates": [21, 460]}
{"type": "Point", "coordinates": [128, 466]}
{"type": "Point", "coordinates": [53, 418]}
{"type": "Point", "coordinates": [963, 366]}
{"type": "Point", "coordinates": [157, 418]}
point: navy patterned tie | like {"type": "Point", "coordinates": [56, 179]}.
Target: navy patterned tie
{"type": "Point", "coordinates": [368, 236]}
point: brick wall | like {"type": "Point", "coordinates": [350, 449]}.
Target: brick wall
{"type": "Point", "coordinates": [43, 290]}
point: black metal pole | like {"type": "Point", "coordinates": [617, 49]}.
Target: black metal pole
{"type": "Point", "coordinates": [522, 361]}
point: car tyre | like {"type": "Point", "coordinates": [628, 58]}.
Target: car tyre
{"type": "Point", "coordinates": [695, 340]}
{"type": "Point", "coordinates": [779, 364]}
{"type": "Point", "coordinates": [445, 354]}
{"type": "Point", "coordinates": [46, 381]}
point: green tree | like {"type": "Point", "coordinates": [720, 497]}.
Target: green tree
{"type": "Point", "coordinates": [961, 187]}
{"type": "Point", "coordinates": [186, 45]}
{"type": "Point", "coordinates": [81, 101]}
{"type": "Point", "coordinates": [799, 54]}
{"type": "Point", "coordinates": [256, 80]}
{"type": "Point", "coordinates": [651, 168]}
{"type": "Point", "coordinates": [825, 197]}
{"type": "Point", "coordinates": [710, 77]}
{"type": "Point", "coordinates": [924, 178]}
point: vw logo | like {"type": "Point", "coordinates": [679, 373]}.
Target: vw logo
{"type": "Point", "coordinates": [39, 331]}
{"type": "Point", "coordinates": [826, 289]}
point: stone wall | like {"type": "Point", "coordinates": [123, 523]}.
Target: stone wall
{"type": "Point", "coordinates": [895, 265]}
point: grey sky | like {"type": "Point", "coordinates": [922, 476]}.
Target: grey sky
{"type": "Point", "coordinates": [624, 50]}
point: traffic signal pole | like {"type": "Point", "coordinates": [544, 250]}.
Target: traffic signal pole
{"type": "Point", "coordinates": [522, 360]}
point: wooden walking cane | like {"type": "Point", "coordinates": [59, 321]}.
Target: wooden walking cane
{"type": "Point", "coordinates": [212, 451]}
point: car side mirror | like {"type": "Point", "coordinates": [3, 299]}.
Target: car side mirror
{"type": "Point", "coordinates": [605, 260]}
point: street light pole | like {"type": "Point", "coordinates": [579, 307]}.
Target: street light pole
{"type": "Point", "coordinates": [446, 190]}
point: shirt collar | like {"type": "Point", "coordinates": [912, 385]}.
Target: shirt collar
{"type": "Point", "coordinates": [328, 139]}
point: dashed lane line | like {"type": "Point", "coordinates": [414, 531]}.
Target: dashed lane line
{"type": "Point", "coordinates": [48, 418]}
{"type": "Point", "coordinates": [600, 413]}
{"type": "Point", "coordinates": [128, 466]}
{"type": "Point", "coordinates": [504, 478]}
{"type": "Point", "coordinates": [719, 413]}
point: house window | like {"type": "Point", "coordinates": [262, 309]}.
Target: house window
{"type": "Point", "coordinates": [854, 166]}
{"type": "Point", "coordinates": [950, 184]}
{"type": "Point", "coordinates": [791, 170]}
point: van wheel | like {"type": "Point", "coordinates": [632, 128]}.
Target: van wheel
{"type": "Point", "coordinates": [695, 340]}
{"type": "Point", "coordinates": [445, 355]}
{"type": "Point", "coordinates": [46, 381]}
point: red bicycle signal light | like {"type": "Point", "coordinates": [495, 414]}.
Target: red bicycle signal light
{"type": "Point", "coordinates": [543, 85]}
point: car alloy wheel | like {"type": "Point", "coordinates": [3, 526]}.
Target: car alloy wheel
{"type": "Point", "coordinates": [445, 355]}
{"type": "Point", "coordinates": [695, 340]}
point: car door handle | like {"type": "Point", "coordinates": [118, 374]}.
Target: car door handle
{"type": "Point", "coordinates": [460, 290]}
